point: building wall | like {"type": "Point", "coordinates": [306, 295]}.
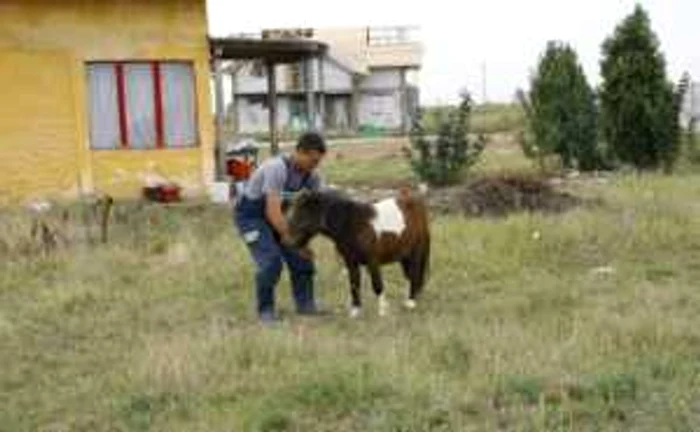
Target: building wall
{"type": "Point", "coordinates": [44, 148]}
{"type": "Point", "coordinates": [338, 112]}
{"type": "Point", "coordinates": [253, 113]}
{"type": "Point", "coordinates": [350, 43]}
{"type": "Point", "coordinates": [380, 110]}
{"type": "Point", "coordinates": [38, 126]}
{"type": "Point", "coordinates": [691, 106]}
{"type": "Point", "coordinates": [335, 78]}
{"type": "Point", "coordinates": [379, 103]}
{"type": "Point", "coordinates": [405, 54]}
{"type": "Point", "coordinates": [382, 79]}
{"type": "Point", "coordinates": [249, 83]}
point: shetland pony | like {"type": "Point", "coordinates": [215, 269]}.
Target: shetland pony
{"type": "Point", "coordinates": [367, 234]}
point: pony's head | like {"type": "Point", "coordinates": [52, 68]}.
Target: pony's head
{"type": "Point", "coordinates": [305, 217]}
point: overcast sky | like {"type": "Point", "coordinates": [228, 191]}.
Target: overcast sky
{"type": "Point", "coordinates": [460, 36]}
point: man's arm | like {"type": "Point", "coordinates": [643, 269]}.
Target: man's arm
{"type": "Point", "coordinates": [273, 178]}
{"type": "Point", "coordinates": [274, 215]}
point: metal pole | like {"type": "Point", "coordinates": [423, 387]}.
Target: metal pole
{"type": "Point", "coordinates": [403, 96]}
{"type": "Point", "coordinates": [354, 104]}
{"type": "Point", "coordinates": [234, 99]}
{"type": "Point", "coordinates": [308, 88]}
{"type": "Point", "coordinates": [272, 105]}
{"type": "Point", "coordinates": [321, 93]}
{"type": "Point", "coordinates": [694, 118]}
{"type": "Point", "coordinates": [484, 96]}
{"type": "Point", "coordinates": [219, 102]}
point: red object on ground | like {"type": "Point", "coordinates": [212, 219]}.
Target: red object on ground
{"type": "Point", "coordinates": [166, 193]}
{"type": "Point", "coordinates": [169, 193]}
{"type": "Point", "coordinates": [239, 169]}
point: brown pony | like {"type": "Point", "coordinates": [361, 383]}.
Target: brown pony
{"type": "Point", "coordinates": [369, 234]}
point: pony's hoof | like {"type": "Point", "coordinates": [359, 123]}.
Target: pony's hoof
{"type": "Point", "coordinates": [383, 306]}
{"type": "Point", "coordinates": [354, 312]}
{"type": "Point", "coordinates": [410, 304]}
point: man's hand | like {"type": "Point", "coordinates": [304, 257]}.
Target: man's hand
{"type": "Point", "coordinates": [273, 212]}
{"type": "Point", "coordinates": [286, 239]}
{"type": "Point", "coordinates": [306, 253]}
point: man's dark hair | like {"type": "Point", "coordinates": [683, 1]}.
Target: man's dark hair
{"type": "Point", "coordinates": [312, 141]}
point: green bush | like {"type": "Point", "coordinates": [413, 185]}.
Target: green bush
{"type": "Point", "coordinates": [639, 106]}
{"type": "Point", "coordinates": [442, 161]}
{"type": "Point", "coordinates": [560, 112]}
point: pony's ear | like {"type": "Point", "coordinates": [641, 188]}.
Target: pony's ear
{"type": "Point", "coordinates": [302, 196]}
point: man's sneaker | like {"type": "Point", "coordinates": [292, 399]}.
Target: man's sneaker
{"type": "Point", "coordinates": [268, 318]}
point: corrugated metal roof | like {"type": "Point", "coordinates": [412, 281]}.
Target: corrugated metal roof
{"type": "Point", "coordinates": [275, 50]}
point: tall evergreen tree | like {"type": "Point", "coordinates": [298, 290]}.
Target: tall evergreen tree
{"type": "Point", "coordinates": [639, 106]}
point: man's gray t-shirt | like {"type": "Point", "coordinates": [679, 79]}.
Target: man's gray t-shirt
{"type": "Point", "coordinates": [272, 174]}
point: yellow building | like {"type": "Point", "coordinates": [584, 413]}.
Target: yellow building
{"type": "Point", "coordinates": [98, 96]}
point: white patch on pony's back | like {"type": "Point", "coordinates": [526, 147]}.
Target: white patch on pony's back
{"type": "Point", "coordinates": [389, 217]}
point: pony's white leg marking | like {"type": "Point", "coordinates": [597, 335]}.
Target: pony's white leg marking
{"type": "Point", "coordinates": [383, 305]}
{"type": "Point", "coordinates": [354, 312]}
{"type": "Point", "coordinates": [410, 304]}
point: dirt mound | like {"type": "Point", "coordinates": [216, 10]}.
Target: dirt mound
{"type": "Point", "coordinates": [501, 195]}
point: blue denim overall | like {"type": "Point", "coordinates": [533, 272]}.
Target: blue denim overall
{"type": "Point", "coordinates": [268, 253]}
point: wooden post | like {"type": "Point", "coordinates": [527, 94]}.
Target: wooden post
{"type": "Point", "coordinates": [106, 203]}
{"type": "Point", "coordinates": [403, 100]}
{"type": "Point", "coordinates": [355, 104]}
{"type": "Point", "coordinates": [234, 99]}
{"type": "Point", "coordinates": [309, 90]}
{"type": "Point", "coordinates": [219, 151]}
{"type": "Point", "coordinates": [272, 106]}
{"type": "Point", "coordinates": [694, 119]}
{"type": "Point", "coordinates": [321, 93]}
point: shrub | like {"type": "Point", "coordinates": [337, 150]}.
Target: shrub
{"type": "Point", "coordinates": [561, 112]}
{"type": "Point", "coordinates": [639, 106]}
{"type": "Point", "coordinates": [442, 160]}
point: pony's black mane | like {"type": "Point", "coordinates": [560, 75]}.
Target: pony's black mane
{"type": "Point", "coordinates": [343, 215]}
{"type": "Point", "coordinates": [333, 198]}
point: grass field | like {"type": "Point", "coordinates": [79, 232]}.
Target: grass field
{"type": "Point", "coordinates": [486, 118]}
{"type": "Point", "coordinates": [381, 163]}
{"type": "Point", "coordinates": [583, 321]}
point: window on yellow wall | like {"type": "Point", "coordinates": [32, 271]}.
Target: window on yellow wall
{"type": "Point", "coordinates": [141, 105]}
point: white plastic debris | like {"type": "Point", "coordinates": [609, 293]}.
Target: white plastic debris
{"type": "Point", "coordinates": [603, 270]}
{"type": "Point", "coordinates": [219, 192]}
{"type": "Point", "coordinates": [39, 206]}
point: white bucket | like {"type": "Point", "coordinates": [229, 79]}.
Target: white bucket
{"type": "Point", "coordinates": [219, 192]}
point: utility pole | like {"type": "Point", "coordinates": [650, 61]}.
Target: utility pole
{"type": "Point", "coordinates": [483, 83]}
